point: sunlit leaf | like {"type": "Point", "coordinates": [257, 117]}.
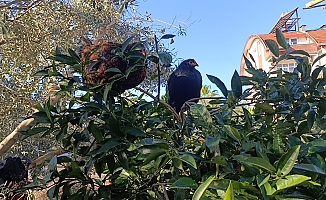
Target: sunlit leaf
{"type": "Point", "coordinates": [219, 84]}
{"type": "Point", "coordinates": [202, 188]}
{"type": "Point", "coordinates": [229, 195]}
{"type": "Point", "coordinates": [287, 161]}
{"type": "Point", "coordinates": [290, 181]}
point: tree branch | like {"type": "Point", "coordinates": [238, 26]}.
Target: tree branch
{"type": "Point", "coordinates": [40, 160]}
{"type": "Point", "coordinates": [16, 135]}
{"type": "Point", "coordinates": [161, 102]}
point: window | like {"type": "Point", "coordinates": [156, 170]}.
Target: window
{"type": "Point", "coordinates": [289, 67]}
{"type": "Point", "coordinates": [291, 41]}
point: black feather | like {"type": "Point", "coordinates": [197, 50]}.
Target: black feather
{"type": "Point", "coordinates": [184, 84]}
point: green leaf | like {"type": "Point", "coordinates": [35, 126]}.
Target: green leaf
{"type": "Point", "coordinates": [74, 55]}
{"type": "Point", "coordinates": [298, 111]}
{"type": "Point", "coordinates": [265, 107]}
{"type": "Point", "coordinates": [154, 59]}
{"type": "Point", "coordinates": [232, 132]}
{"type": "Point", "coordinates": [262, 179]}
{"type": "Point", "coordinates": [201, 115]}
{"type": "Point", "coordinates": [95, 130]}
{"type": "Point", "coordinates": [161, 134]}
{"type": "Point", "coordinates": [64, 59]}
{"type": "Point", "coordinates": [236, 84]}
{"type": "Point", "coordinates": [287, 161]}
{"type": "Point", "coordinates": [300, 52]}
{"type": "Point", "coordinates": [35, 131]}
{"type": "Point", "coordinates": [110, 144]}
{"type": "Point", "coordinates": [290, 181]}
{"type": "Point", "coordinates": [165, 58]}
{"type": "Point", "coordinates": [41, 117]}
{"type": "Point", "coordinates": [219, 84]}
{"type": "Point", "coordinates": [53, 163]}
{"type": "Point", "coordinates": [321, 84]}
{"type": "Point", "coordinates": [229, 193]}
{"type": "Point", "coordinates": [273, 47]}
{"type": "Point", "coordinates": [78, 68]}
{"type": "Point", "coordinates": [184, 183]}
{"type": "Point", "coordinates": [135, 132]}
{"type": "Point", "coordinates": [41, 73]}
{"type": "Point", "coordinates": [212, 142]}
{"type": "Point", "coordinates": [86, 97]}
{"type": "Point", "coordinates": [107, 89]}
{"type": "Point", "coordinates": [269, 189]}
{"type": "Point", "coordinates": [153, 155]}
{"type": "Point", "coordinates": [247, 61]}
{"type": "Point", "coordinates": [316, 73]}
{"type": "Point", "coordinates": [126, 43]}
{"type": "Point", "coordinates": [261, 151]}
{"type": "Point", "coordinates": [318, 58]}
{"type": "Point", "coordinates": [202, 188]}
{"type": "Point", "coordinates": [310, 168]}
{"type": "Point", "coordinates": [311, 118]}
{"type": "Point", "coordinates": [189, 160]}
{"type": "Point", "coordinates": [150, 141]}
{"type": "Point", "coordinates": [259, 162]}
{"type": "Point", "coordinates": [281, 39]}
{"type": "Point", "coordinates": [114, 70]}
{"type": "Point", "coordinates": [167, 36]}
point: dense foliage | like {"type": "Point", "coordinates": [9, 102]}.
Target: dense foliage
{"type": "Point", "coordinates": [31, 31]}
{"type": "Point", "coordinates": [263, 142]}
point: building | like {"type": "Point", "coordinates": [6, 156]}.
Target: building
{"type": "Point", "coordinates": [311, 41]}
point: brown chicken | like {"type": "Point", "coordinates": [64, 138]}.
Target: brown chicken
{"type": "Point", "coordinates": [105, 63]}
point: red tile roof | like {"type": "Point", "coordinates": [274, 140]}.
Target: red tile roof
{"type": "Point", "coordinates": [319, 35]}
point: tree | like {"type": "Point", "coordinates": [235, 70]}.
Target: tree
{"type": "Point", "coordinates": [272, 149]}
{"type": "Point", "coordinates": [31, 31]}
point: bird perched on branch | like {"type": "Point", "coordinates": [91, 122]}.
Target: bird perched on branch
{"type": "Point", "coordinates": [110, 62]}
{"type": "Point", "coordinates": [184, 84]}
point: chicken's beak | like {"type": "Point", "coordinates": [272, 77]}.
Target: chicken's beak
{"type": "Point", "coordinates": [194, 64]}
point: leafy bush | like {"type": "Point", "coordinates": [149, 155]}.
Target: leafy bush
{"type": "Point", "coordinates": [264, 142]}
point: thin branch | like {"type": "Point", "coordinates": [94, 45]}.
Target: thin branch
{"type": "Point", "coordinates": [40, 160]}
{"type": "Point", "coordinates": [158, 70]}
{"type": "Point", "coordinates": [161, 102]}
{"type": "Point", "coordinates": [17, 94]}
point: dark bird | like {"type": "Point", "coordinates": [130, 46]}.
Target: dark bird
{"type": "Point", "coordinates": [184, 84]}
{"type": "Point", "coordinates": [106, 63]}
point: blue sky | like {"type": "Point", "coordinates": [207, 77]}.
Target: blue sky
{"type": "Point", "coordinates": [218, 30]}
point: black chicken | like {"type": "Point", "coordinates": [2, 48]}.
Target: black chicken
{"type": "Point", "coordinates": [184, 84]}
